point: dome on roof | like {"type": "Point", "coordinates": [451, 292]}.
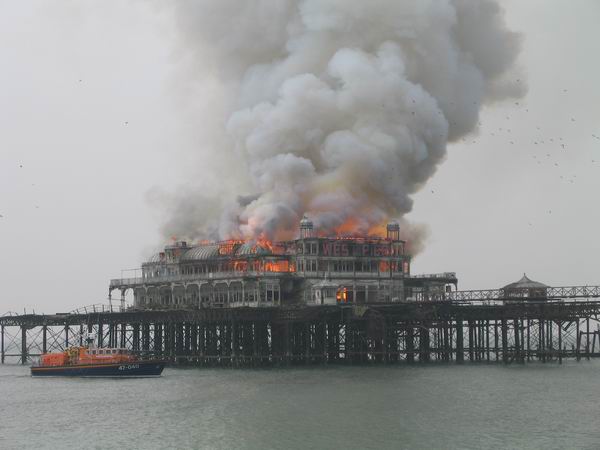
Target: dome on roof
{"type": "Point", "coordinates": [154, 258]}
{"type": "Point", "coordinates": [306, 228]}
{"type": "Point", "coordinates": [209, 251]}
{"type": "Point", "coordinates": [248, 248]}
{"type": "Point", "coordinates": [201, 252]}
{"type": "Point", "coordinates": [525, 283]}
{"type": "Point", "coordinates": [305, 221]}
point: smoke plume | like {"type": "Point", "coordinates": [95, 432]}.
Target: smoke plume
{"type": "Point", "coordinates": [338, 109]}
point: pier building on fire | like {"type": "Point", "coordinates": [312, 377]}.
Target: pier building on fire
{"type": "Point", "coordinates": [310, 270]}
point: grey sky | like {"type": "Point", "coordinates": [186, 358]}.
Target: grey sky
{"type": "Point", "coordinates": [90, 108]}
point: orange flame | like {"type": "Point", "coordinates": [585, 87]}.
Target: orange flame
{"type": "Point", "coordinates": [263, 242]}
{"type": "Point", "coordinates": [279, 266]}
{"type": "Point", "coordinates": [351, 228]}
{"type": "Point", "coordinates": [228, 247]}
{"type": "Point", "coordinates": [341, 295]}
{"type": "Point", "coordinates": [384, 266]}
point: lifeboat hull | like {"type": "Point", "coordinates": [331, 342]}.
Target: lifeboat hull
{"type": "Point", "coordinates": [110, 370]}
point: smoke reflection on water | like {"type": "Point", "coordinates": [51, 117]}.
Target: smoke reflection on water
{"type": "Point", "coordinates": [438, 406]}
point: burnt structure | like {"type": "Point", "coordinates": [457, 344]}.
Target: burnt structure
{"type": "Point", "coordinates": [310, 270]}
{"type": "Point", "coordinates": [562, 324]}
{"type": "Point", "coordinates": [317, 300]}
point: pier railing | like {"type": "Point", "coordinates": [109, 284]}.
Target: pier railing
{"type": "Point", "coordinates": [552, 293]}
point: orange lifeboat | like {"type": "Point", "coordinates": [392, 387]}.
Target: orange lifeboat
{"type": "Point", "coordinates": [96, 362]}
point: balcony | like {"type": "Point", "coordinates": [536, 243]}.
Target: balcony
{"type": "Point", "coordinates": [118, 283]}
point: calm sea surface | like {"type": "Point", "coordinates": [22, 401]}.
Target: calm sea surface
{"type": "Point", "coordinates": [470, 406]}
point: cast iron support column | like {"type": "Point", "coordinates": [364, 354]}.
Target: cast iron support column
{"type": "Point", "coordinates": [587, 338]}
{"type": "Point", "coordinates": [145, 337]}
{"type": "Point", "coordinates": [194, 340]}
{"type": "Point", "coordinates": [424, 343]}
{"type": "Point", "coordinates": [286, 343]}
{"type": "Point", "coordinates": [123, 335]}
{"type": "Point", "coordinates": [136, 337]}
{"type": "Point", "coordinates": [23, 344]}
{"type": "Point", "coordinates": [528, 339]}
{"type": "Point", "coordinates": [496, 339]}
{"type": "Point", "coordinates": [578, 340]}
{"type": "Point", "coordinates": [158, 339]}
{"type": "Point", "coordinates": [517, 343]}
{"type": "Point", "coordinates": [560, 350]}
{"type": "Point", "coordinates": [460, 352]}
{"type": "Point", "coordinates": [235, 332]}
{"type": "Point", "coordinates": [470, 324]}
{"type": "Point", "coordinates": [487, 340]}
{"type": "Point", "coordinates": [44, 339]}
{"type": "Point", "coordinates": [410, 344]}
{"type": "Point", "coordinates": [504, 342]}
{"type": "Point", "coordinates": [541, 340]}
{"type": "Point", "coordinates": [111, 335]}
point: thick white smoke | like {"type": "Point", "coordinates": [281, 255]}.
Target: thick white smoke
{"type": "Point", "coordinates": [340, 109]}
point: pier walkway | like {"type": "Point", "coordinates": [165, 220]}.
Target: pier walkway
{"type": "Point", "coordinates": [464, 326]}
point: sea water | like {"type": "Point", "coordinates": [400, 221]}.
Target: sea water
{"type": "Point", "coordinates": [470, 406]}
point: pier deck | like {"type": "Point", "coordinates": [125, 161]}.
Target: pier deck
{"type": "Point", "coordinates": [449, 331]}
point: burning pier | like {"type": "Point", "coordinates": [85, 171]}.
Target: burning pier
{"type": "Point", "coordinates": [317, 300]}
{"type": "Point", "coordinates": [312, 270]}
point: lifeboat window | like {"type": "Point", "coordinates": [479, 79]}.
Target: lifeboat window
{"type": "Point", "coordinates": [101, 352]}
{"type": "Point", "coordinates": [114, 352]}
